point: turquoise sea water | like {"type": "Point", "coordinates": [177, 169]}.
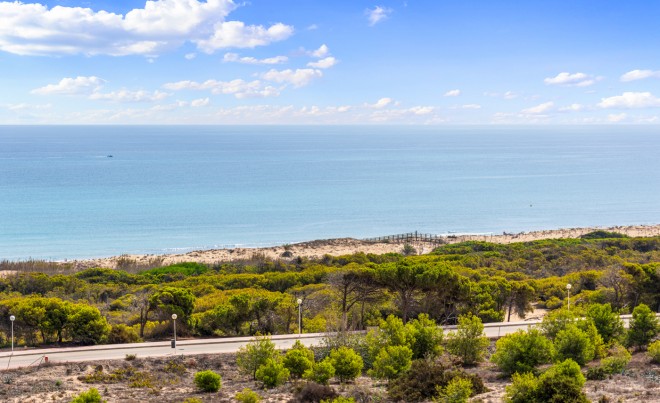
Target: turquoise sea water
{"type": "Point", "coordinates": [168, 189]}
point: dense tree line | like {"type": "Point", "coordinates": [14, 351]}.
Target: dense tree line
{"type": "Point", "coordinates": [492, 282]}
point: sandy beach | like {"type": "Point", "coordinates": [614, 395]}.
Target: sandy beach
{"type": "Point", "coordinates": [345, 246]}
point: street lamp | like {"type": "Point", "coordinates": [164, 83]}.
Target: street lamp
{"type": "Point", "coordinates": [568, 287]}
{"type": "Point", "coordinates": [174, 323]}
{"type": "Point", "coordinates": [12, 318]}
{"type": "Point", "coordinates": [299, 316]}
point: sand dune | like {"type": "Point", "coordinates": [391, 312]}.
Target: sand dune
{"type": "Point", "coordinates": [344, 246]}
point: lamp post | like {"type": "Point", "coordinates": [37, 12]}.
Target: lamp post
{"type": "Point", "coordinates": [299, 316]}
{"type": "Point", "coordinates": [568, 288]}
{"type": "Point", "coordinates": [12, 318]}
{"type": "Point", "coordinates": [174, 323]}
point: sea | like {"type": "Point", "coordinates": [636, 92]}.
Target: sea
{"type": "Point", "coordinates": [71, 192]}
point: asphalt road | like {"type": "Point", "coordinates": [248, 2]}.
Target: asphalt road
{"type": "Point", "coordinates": [29, 357]}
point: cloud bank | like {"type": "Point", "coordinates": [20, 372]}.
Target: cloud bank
{"type": "Point", "coordinates": [35, 29]}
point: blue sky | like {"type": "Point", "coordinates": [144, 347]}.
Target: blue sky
{"type": "Point", "coordinates": [330, 62]}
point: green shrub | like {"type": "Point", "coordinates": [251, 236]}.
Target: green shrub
{"type": "Point", "coordinates": [347, 363]}
{"type": "Point", "coordinates": [596, 373]}
{"type": "Point", "coordinates": [573, 343]}
{"type": "Point", "coordinates": [522, 389]}
{"type": "Point", "coordinates": [617, 361]}
{"type": "Point", "coordinates": [321, 372]}
{"type": "Point", "coordinates": [468, 342]}
{"type": "Point", "coordinates": [121, 333]}
{"type": "Point", "coordinates": [90, 396]}
{"type": "Point", "coordinates": [458, 390]}
{"type": "Point", "coordinates": [422, 381]}
{"type": "Point", "coordinates": [340, 399]}
{"type": "Point", "coordinates": [643, 326]}
{"type": "Point", "coordinates": [522, 351]}
{"type": "Point", "coordinates": [424, 337]}
{"type": "Point", "coordinates": [255, 354]}
{"type": "Point", "coordinates": [298, 360]}
{"type": "Point", "coordinates": [193, 400]}
{"type": "Point", "coordinates": [130, 357]}
{"type": "Point", "coordinates": [247, 395]}
{"type": "Point", "coordinates": [562, 382]}
{"type": "Point", "coordinates": [314, 393]}
{"type": "Point", "coordinates": [556, 321]}
{"type": "Point", "coordinates": [272, 373]}
{"type": "Point", "coordinates": [654, 351]}
{"type": "Point", "coordinates": [208, 381]}
{"type": "Point", "coordinates": [607, 322]}
{"type": "Point", "coordinates": [391, 362]}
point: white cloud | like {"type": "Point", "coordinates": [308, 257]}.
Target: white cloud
{"type": "Point", "coordinates": [572, 108]}
{"type": "Point", "coordinates": [233, 57]}
{"type": "Point", "coordinates": [26, 107]}
{"type": "Point", "coordinates": [190, 56]}
{"type": "Point", "coordinates": [421, 110]}
{"type": "Point", "coordinates": [34, 29]}
{"type": "Point", "coordinates": [571, 80]}
{"type": "Point", "coordinates": [507, 95]}
{"type": "Point", "coordinates": [71, 86]}
{"type": "Point", "coordinates": [298, 77]}
{"type": "Point", "coordinates": [453, 93]}
{"type": "Point", "coordinates": [322, 51]}
{"type": "Point", "coordinates": [323, 63]}
{"type": "Point", "coordinates": [471, 106]}
{"type": "Point", "coordinates": [377, 14]}
{"type": "Point", "coordinates": [614, 118]}
{"type": "Point", "coordinates": [196, 103]}
{"type": "Point", "coordinates": [539, 109]}
{"type": "Point", "coordinates": [130, 96]}
{"type": "Point", "coordinates": [630, 100]}
{"type": "Point", "coordinates": [639, 75]}
{"type": "Point", "coordinates": [381, 103]}
{"type": "Point", "coordinates": [235, 34]}
{"type": "Point", "coordinates": [238, 88]}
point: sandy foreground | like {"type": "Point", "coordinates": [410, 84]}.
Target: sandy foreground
{"type": "Point", "coordinates": [346, 246]}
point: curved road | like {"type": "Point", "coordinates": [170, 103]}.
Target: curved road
{"type": "Point", "coordinates": [27, 357]}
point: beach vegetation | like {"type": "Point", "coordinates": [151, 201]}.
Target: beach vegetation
{"type": "Point", "coordinates": [522, 351]}
{"type": "Point", "coordinates": [643, 327]}
{"type": "Point", "coordinates": [208, 381]}
{"type": "Point", "coordinates": [347, 364]}
{"type": "Point", "coordinates": [255, 354]}
{"type": "Point", "coordinates": [468, 341]}
{"type": "Point", "coordinates": [272, 373]}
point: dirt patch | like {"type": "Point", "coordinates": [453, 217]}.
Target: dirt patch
{"type": "Point", "coordinates": [163, 380]}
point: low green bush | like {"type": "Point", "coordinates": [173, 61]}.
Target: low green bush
{"type": "Point", "coordinates": [90, 396]}
{"type": "Point", "coordinates": [391, 362]}
{"type": "Point", "coordinates": [321, 372]}
{"type": "Point", "coordinates": [596, 373]}
{"type": "Point", "coordinates": [272, 373]}
{"type": "Point", "coordinates": [654, 351]}
{"type": "Point", "coordinates": [208, 381]}
{"type": "Point", "coordinates": [247, 395]}
{"type": "Point", "coordinates": [522, 351]}
{"type": "Point", "coordinates": [121, 333]}
{"type": "Point", "coordinates": [298, 360]}
{"type": "Point", "coordinates": [562, 382]}
{"type": "Point", "coordinates": [422, 381]}
{"type": "Point", "coordinates": [312, 392]}
{"type": "Point", "coordinates": [458, 390]}
{"type": "Point", "coordinates": [347, 363]}
{"type": "Point", "coordinates": [617, 361]}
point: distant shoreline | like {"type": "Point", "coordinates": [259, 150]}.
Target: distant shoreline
{"type": "Point", "coordinates": [345, 246]}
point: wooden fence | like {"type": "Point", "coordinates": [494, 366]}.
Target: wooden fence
{"type": "Point", "coordinates": [410, 237]}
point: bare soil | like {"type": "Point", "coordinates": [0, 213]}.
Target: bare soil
{"type": "Point", "coordinates": [170, 379]}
